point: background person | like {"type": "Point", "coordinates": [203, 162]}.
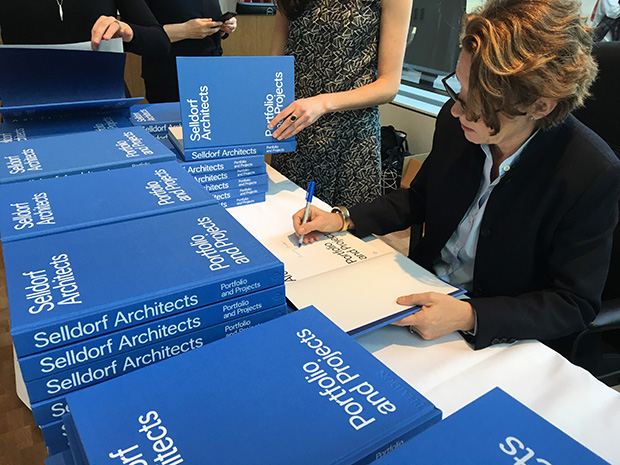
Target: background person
{"type": "Point", "coordinates": [193, 31]}
{"type": "Point", "coordinates": [348, 59]}
{"type": "Point", "coordinates": [69, 21]}
{"type": "Point", "coordinates": [519, 199]}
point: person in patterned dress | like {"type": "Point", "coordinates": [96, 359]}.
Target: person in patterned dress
{"type": "Point", "coordinates": [348, 60]}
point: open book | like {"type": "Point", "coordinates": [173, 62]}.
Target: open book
{"type": "Point", "coordinates": [353, 282]}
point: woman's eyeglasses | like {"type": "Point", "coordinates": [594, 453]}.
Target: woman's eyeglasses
{"type": "Point", "coordinates": [454, 95]}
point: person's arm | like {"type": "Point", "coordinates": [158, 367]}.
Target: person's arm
{"type": "Point", "coordinates": [149, 37]}
{"type": "Point", "coordinates": [395, 16]}
{"type": "Point", "coordinates": [280, 34]}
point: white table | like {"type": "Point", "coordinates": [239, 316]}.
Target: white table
{"type": "Point", "coordinates": [451, 374]}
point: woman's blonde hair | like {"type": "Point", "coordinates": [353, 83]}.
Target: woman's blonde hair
{"type": "Point", "coordinates": [523, 50]}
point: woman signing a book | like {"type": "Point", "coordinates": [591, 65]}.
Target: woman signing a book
{"type": "Point", "coordinates": [519, 200]}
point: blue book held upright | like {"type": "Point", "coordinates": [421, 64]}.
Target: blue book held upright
{"type": "Point", "coordinates": [295, 390]}
{"type": "Point", "coordinates": [493, 429]}
{"type": "Point", "coordinates": [224, 116]}
{"type": "Point", "coordinates": [48, 157]}
{"type": "Point", "coordinates": [71, 286]}
{"type": "Point", "coordinates": [52, 205]}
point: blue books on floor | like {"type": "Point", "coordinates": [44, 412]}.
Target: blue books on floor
{"type": "Point", "coordinates": [494, 429]}
{"type": "Point", "coordinates": [67, 287]}
{"type": "Point", "coordinates": [36, 81]}
{"type": "Point", "coordinates": [222, 116]}
{"type": "Point", "coordinates": [23, 129]}
{"type": "Point", "coordinates": [52, 205]}
{"type": "Point", "coordinates": [205, 167]}
{"type": "Point", "coordinates": [53, 156]}
{"type": "Point", "coordinates": [295, 390]}
{"type": "Point", "coordinates": [156, 118]}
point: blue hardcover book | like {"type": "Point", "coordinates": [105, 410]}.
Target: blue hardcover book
{"type": "Point", "coordinates": [294, 390]}
{"type": "Point", "coordinates": [53, 156]}
{"type": "Point", "coordinates": [55, 437]}
{"type": "Point", "coordinates": [61, 458]}
{"type": "Point", "coordinates": [219, 176]}
{"type": "Point", "coordinates": [52, 205]}
{"type": "Point", "coordinates": [35, 81]}
{"type": "Point", "coordinates": [50, 362]}
{"type": "Point", "coordinates": [239, 201]}
{"type": "Point", "coordinates": [222, 116]}
{"type": "Point", "coordinates": [23, 129]}
{"type": "Point", "coordinates": [226, 195]}
{"type": "Point", "coordinates": [141, 355]}
{"type": "Point", "coordinates": [156, 117]}
{"type": "Point", "coordinates": [66, 287]}
{"type": "Point", "coordinates": [224, 164]}
{"type": "Point", "coordinates": [258, 181]}
{"type": "Point", "coordinates": [494, 429]}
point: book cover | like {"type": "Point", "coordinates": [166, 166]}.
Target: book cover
{"type": "Point", "coordinates": [76, 109]}
{"type": "Point", "coordinates": [52, 205]}
{"type": "Point", "coordinates": [141, 355]}
{"type": "Point", "coordinates": [202, 167]}
{"type": "Point", "coordinates": [246, 200]}
{"type": "Point", "coordinates": [258, 181]}
{"type": "Point", "coordinates": [222, 116]}
{"type": "Point", "coordinates": [53, 156]}
{"type": "Point", "coordinates": [156, 117]}
{"type": "Point", "coordinates": [66, 287]}
{"type": "Point", "coordinates": [494, 429]}
{"type": "Point", "coordinates": [16, 129]}
{"type": "Point", "coordinates": [314, 396]}
{"type": "Point", "coordinates": [379, 272]}
{"type": "Point", "coordinates": [219, 176]}
{"type": "Point", "coordinates": [49, 362]}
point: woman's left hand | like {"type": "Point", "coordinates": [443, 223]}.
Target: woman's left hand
{"type": "Point", "coordinates": [298, 115]}
{"type": "Point", "coordinates": [229, 26]}
{"type": "Point", "coordinates": [108, 27]}
{"type": "Point", "coordinates": [440, 314]}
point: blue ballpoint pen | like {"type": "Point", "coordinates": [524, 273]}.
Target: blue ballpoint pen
{"type": "Point", "coordinates": [309, 194]}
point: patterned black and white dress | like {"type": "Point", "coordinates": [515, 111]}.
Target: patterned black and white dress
{"type": "Point", "coordinates": [335, 44]}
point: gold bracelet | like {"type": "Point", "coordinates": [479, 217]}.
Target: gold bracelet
{"type": "Point", "coordinates": [346, 217]}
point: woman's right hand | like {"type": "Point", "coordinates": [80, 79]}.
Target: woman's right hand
{"type": "Point", "coordinates": [318, 221]}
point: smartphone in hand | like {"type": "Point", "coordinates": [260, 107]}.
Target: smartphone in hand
{"type": "Point", "coordinates": [226, 16]}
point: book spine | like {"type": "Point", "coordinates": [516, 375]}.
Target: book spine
{"type": "Point", "coordinates": [52, 334]}
{"type": "Point", "coordinates": [256, 182]}
{"type": "Point", "coordinates": [222, 176]}
{"type": "Point", "coordinates": [225, 195]}
{"type": "Point", "coordinates": [240, 150]}
{"type": "Point", "coordinates": [71, 380]}
{"type": "Point", "coordinates": [72, 356]}
{"type": "Point", "coordinates": [431, 419]}
{"type": "Point", "coordinates": [55, 437]}
{"type": "Point", "coordinates": [237, 202]}
{"type": "Point", "coordinates": [159, 128]}
{"type": "Point", "coordinates": [225, 164]}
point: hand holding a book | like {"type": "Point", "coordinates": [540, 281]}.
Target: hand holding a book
{"type": "Point", "coordinates": [440, 315]}
{"type": "Point", "coordinates": [319, 221]}
{"type": "Point", "coordinates": [299, 115]}
{"type": "Point", "coordinates": [108, 27]}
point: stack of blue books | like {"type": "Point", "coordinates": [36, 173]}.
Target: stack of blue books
{"type": "Point", "coordinates": [223, 120]}
{"type": "Point", "coordinates": [156, 118]}
{"type": "Point", "coordinates": [494, 429]}
{"type": "Point", "coordinates": [69, 154]}
{"type": "Point", "coordinates": [296, 390]}
{"type": "Point", "coordinates": [111, 271]}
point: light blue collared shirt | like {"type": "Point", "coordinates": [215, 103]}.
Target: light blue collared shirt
{"type": "Point", "coordinates": [458, 256]}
